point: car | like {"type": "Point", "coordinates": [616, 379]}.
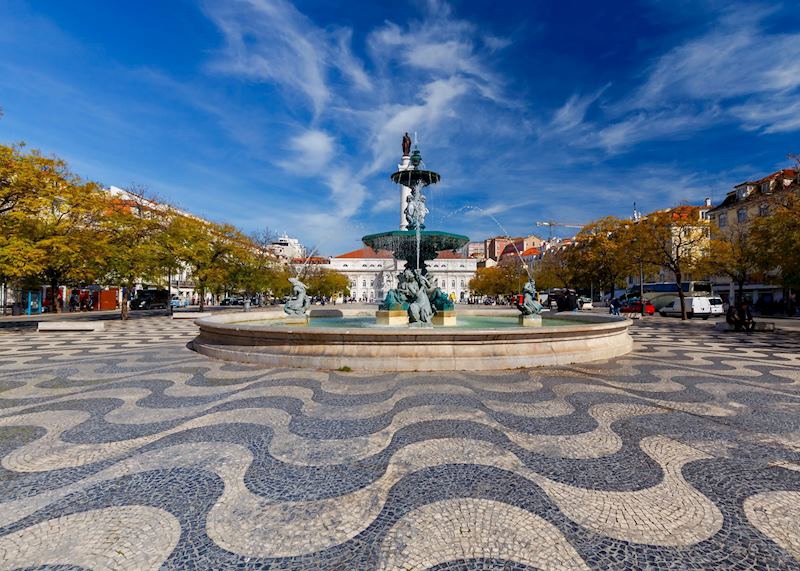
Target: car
{"type": "Point", "coordinates": [716, 306]}
{"type": "Point", "coordinates": [585, 302]}
{"type": "Point", "coordinates": [635, 306]}
{"type": "Point", "coordinates": [695, 307]}
{"type": "Point", "coordinates": [178, 302]}
{"type": "Point", "coordinates": [150, 299]}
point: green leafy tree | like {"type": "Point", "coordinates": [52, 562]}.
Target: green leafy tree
{"type": "Point", "coordinates": [501, 280]}
{"type": "Point", "coordinates": [134, 226]}
{"type": "Point", "coordinates": [326, 283]}
{"type": "Point", "coordinates": [208, 250]}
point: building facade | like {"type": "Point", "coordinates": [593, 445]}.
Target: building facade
{"type": "Point", "coordinates": [748, 201]}
{"type": "Point", "coordinates": [372, 274]}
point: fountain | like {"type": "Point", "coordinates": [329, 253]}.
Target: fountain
{"type": "Point", "coordinates": [415, 328]}
{"type": "Point", "coordinates": [415, 300]}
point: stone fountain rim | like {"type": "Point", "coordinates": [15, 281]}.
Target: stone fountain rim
{"type": "Point", "coordinates": [231, 323]}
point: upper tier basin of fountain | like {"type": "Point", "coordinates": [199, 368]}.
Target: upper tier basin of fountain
{"type": "Point", "coordinates": [403, 243]}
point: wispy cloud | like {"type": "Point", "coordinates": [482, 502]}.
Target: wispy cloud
{"type": "Point", "coordinates": [271, 41]}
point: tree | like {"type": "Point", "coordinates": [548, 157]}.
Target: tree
{"type": "Point", "coordinates": [600, 253]}
{"type": "Point", "coordinates": [776, 238]}
{"type": "Point", "coordinates": [676, 240]}
{"type": "Point", "coordinates": [134, 225]}
{"type": "Point", "coordinates": [208, 250]}
{"type": "Point", "coordinates": [733, 253]}
{"type": "Point", "coordinates": [501, 280]}
{"type": "Point", "coordinates": [326, 283]}
{"type": "Point", "coordinates": [555, 269]}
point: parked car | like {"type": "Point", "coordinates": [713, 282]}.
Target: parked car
{"type": "Point", "coordinates": [176, 301]}
{"type": "Point", "coordinates": [585, 302]}
{"type": "Point", "coordinates": [716, 306]}
{"type": "Point", "coordinates": [150, 299]}
{"type": "Point", "coordinates": [635, 306]}
{"type": "Point", "coordinates": [695, 307]}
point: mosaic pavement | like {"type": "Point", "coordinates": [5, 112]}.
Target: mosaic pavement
{"type": "Point", "coordinates": [125, 450]}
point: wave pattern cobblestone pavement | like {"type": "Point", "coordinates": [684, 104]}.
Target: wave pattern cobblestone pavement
{"type": "Point", "coordinates": [126, 450]}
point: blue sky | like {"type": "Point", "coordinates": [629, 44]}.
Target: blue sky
{"type": "Point", "coordinates": [267, 113]}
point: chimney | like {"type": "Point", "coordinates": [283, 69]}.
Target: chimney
{"type": "Point", "coordinates": [708, 202]}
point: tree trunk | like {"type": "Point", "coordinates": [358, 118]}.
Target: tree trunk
{"type": "Point", "coordinates": [202, 298]}
{"type": "Point", "coordinates": [740, 289]}
{"type": "Point", "coordinates": [681, 295]}
{"type": "Point", "coordinates": [54, 296]}
{"type": "Point", "coordinates": [123, 307]}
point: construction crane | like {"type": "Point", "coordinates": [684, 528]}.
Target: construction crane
{"type": "Point", "coordinates": [551, 223]}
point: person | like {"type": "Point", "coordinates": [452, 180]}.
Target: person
{"type": "Point", "coordinates": [740, 317]}
{"type": "Point", "coordinates": [615, 306]}
{"type": "Point", "coordinates": [572, 300]}
{"type": "Point", "coordinates": [745, 317]}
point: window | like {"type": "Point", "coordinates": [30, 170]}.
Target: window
{"type": "Point", "coordinates": [363, 283]}
{"type": "Point", "coordinates": [763, 209]}
{"type": "Point", "coordinates": [462, 284]}
{"type": "Point", "coordinates": [741, 214]}
{"type": "Point", "coordinates": [344, 265]}
{"type": "Point", "coordinates": [723, 220]}
{"type": "Point", "coordinates": [371, 283]}
{"type": "Point", "coordinates": [453, 284]}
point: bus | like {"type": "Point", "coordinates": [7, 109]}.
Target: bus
{"type": "Point", "coordinates": [661, 294]}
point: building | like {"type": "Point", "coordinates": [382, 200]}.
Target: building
{"type": "Point", "coordinates": [748, 201]}
{"type": "Point", "coordinates": [475, 250]}
{"type": "Point", "coordinates": [286, 248]}
{"type": "Point", "coordinates": [372, 274]}
{"type": "Point", "coordinates": [689, 238]}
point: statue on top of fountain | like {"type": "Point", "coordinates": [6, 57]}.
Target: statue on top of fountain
{"type": "Point", "coordinates": [406, 145]}
{"type": "Point", "coordinates": [529, 305]}
{"type": "Point", "coordinates": [415, 211]}
{"type": "Point", "coordinates": [415, 295]}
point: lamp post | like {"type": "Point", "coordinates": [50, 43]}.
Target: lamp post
{"type": "Point", "coordinates": [641, 286]}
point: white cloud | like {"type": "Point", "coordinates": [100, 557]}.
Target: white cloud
{"type": "Point", "coordinates": [311, 152]}
{"type": "Point", "coordinates": [751, 72]}
{"type": "Point", "coordinates": [271, 41]}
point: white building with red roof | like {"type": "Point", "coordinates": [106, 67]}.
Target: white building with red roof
{"type": "Point", "coordinates": [372, 274]}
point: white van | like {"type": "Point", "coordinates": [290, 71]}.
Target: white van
{"type": "Point", "coordinates": [716, 306]}
{"type": "Point", "coordinates": [695, 307]}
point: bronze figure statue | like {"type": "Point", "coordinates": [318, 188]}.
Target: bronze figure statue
{"type": "Point", "coordinates": [406, 145]}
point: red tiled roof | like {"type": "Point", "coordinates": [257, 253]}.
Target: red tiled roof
{"type": "Point", "coordinates": [449, 255]}
{"type": "Point", "coordinates": [783, 173]}
{"type": "Point", "coordinates": [312, 260]}
{"type": "Point", "coordinates": [530, 252]}
{"type": "Point", "coordinates": [367, 252]}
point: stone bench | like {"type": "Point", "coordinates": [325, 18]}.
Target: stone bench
{"type": "Point", "coordinates": [190, 314]}
{"type": "Point", "coordinates": [72, 325]}
{"type": "Point", "coordinates": [760, 326]}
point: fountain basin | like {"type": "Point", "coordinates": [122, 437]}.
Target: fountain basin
{"type": "Point", "coordinates": [254, 337]}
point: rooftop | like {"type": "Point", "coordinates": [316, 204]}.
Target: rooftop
{"type": "Point", "coordinates": [367, 252]}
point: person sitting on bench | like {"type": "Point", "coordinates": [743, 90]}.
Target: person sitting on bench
{"type": "Point", "coordinates": [740, 317]}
